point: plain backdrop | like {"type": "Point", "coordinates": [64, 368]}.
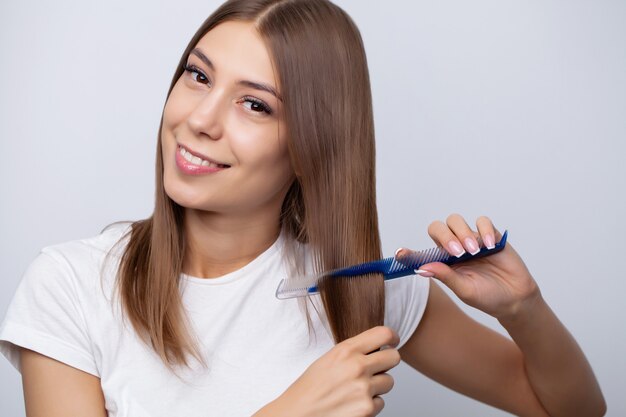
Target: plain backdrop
{"type": "Point", "coordinates": [511, 109]}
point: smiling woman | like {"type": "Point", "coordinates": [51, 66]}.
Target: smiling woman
{"type": "Point", "coordinates": [265, 168]}
{"type": "Point", "coordinates": [212, 116]}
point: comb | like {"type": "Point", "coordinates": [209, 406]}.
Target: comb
{"type": "Point", "coordinates": [390, 268]}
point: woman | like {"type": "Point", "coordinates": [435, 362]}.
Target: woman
{"type": "Point", "coordinates": [265, 168]}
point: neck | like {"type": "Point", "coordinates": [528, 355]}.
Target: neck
{"type": "Point", "coordinates": [217, 244]}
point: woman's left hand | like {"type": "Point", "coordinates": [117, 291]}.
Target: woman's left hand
{"type": "Point", "coordinates": [499, 284]}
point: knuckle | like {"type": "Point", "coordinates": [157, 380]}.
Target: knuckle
{"type": "Point", "coordinates": [367, 408]}
{"type": "Point", "coordinates": [347, 345]}
{"type": "Point", "coordinates": [343, 350]}
{"type": "Point", "coordinates": [363, 388]}
{"type": "Point", "coordinates": [386, 332]}
{"type": "Point", "coordinates": [378, 403]}
{"type": "Point", "coordinates": [396, 356]}
{"type": "Point", "coordinates": [355, 368]}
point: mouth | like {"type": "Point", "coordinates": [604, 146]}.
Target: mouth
{"type": "Point", "coordinates": [199, 159]}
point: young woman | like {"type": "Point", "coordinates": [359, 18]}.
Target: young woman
{"type": "Point", "coordinates": [265, 169]}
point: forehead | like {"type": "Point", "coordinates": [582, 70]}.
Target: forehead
{"type": "Point", "coordinates": [238, 52]}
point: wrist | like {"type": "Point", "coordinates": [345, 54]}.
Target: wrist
{"type": "Point", "coordinates": [525, 312]}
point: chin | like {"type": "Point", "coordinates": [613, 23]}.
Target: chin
{"type": "Point", "coordinates": [182, 194]}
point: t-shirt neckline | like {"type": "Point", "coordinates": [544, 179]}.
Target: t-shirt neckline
{"type": "Point", "coordinates": [241, 272]}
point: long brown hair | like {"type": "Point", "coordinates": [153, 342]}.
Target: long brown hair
{"type": "Point", "coordinates": [319, 58]}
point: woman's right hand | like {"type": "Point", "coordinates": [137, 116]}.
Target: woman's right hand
{"type": "Point", "coordinates": [347, 381]}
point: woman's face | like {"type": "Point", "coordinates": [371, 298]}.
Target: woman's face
{"type": "Point", "coordinates": [223, 136]}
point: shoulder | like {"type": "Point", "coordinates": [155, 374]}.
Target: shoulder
{"type": "Point", "coordinates": [111, 241]}
{"type": "Point", "coordinates": [59, 299]}
{"type": "Point", "coordinates": [73, 265]}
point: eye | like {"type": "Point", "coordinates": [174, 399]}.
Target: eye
{"type": "Point", "coordinates": [256, 106]}
{"type": "Point", "coordinates": [197, 75]}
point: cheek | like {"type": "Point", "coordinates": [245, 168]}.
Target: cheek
{"type": "Point", "coordinates": [175, 109]}
{"type": "Point", "coordinates": [173, 115]}
{"type": "Point", "coordinates": [277, 167]}
{"type": "Point", "coordinates": [266, 162]}
{"type": "Point", "coordinates": [256, 143]}
{"type": "Point", "coordinates": [257, 151]}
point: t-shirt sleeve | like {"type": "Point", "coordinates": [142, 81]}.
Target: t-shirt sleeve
{"type": "Point", "coordinates": [405, 302]}
{"type": "Point", "coordinates": [45, 315]}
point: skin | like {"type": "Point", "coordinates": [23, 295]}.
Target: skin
{"type": "Point", "coordinates": [54, 389]}
{"type": "Point", "coordinates": [541, 371]}
{"type": "Point", "coordinates": [232, 216]}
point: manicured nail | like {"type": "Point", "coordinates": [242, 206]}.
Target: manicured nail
{"type": "Point", "coordinates": [472, 245]}
{"type": "Point", "coordinates": [456, 249]}
{"type": "Point", "coordinates": [489, 241]}
{"type": "Point", "coordinates": [424, 273]}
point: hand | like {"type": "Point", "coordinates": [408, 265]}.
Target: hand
{"type": "Point", "coordinates": [347, 381]}
{"type": "Point", "coordinates": [499, 285]}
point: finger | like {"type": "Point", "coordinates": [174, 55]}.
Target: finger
{"type": "Point", "coordinates": [381, 361]}
{"type": "Point", "coordinates": [381, 384]}
{"type": "Point", "coordinates": [487, 232]}
{"type": "Point", "coordinates": [379, 404]}
{"type": "Point", "coordinates": [461, 229]}
{"type": "Point", "coordinates": [373, 339]}
{"type": "Point", "coordinates": [449, 277]}
{"type": "Point", "coordinates": [443, 236]}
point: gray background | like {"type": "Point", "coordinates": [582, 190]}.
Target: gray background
{"type": "Point", "coordinates": [511, 109]}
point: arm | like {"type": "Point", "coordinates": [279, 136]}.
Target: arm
{"type": "Point", "coordinates": [52, 388]}
{"type": "Point", "coordinates": [456, 351]}
{"type": "Point", "coordinates": [557, 368]}
{"type": "Point", "coordinates": [541, 372]}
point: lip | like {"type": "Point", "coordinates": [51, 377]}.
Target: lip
{"type": "Point", "coordinates": [191, 169]}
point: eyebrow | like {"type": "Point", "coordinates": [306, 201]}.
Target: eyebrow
{"type": "Point", "coordinates": [252, 84]}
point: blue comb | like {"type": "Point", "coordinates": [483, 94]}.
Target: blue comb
{"type": "Point", "coordinates": [391, 268]}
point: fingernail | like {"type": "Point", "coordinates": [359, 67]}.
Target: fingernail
{"type": "Point", "coordinates": [489, 241]}
{"type": "Point", "coordinates": [472, 245]}
{"type": "Point", "coordinates": [424, 273]}
{"type": "Point", "coordinates": [456, 249]}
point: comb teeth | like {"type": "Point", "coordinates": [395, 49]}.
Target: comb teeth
{"type": "Point", "coordinates": [417, 259]}
{"type": "Point", "coordinates": [307, 285]}
{"type": "Point", "coordinates": [381, 266]}
{"type": "Point", "coordinates": [297, 287]}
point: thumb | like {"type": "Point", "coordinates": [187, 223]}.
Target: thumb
{"type": "Point", "coordinates": [442, 272]}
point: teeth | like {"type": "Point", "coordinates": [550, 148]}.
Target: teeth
{"type": "Point", "coordinates": [197, 161]}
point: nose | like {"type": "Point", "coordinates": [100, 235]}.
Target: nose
{"type": "Point", "coordinates": [205, 119]}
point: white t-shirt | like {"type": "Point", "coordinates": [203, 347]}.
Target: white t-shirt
{"type": "Point", "coordinates": [255, 344]}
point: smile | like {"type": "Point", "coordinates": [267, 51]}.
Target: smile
{"type": "Point", "coordinates": [192, 164]}
{"type": "Point", "coordinates": [199, 161]}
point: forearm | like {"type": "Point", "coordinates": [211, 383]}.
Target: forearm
{"type": "Point", "coordinates": [557, 369]}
